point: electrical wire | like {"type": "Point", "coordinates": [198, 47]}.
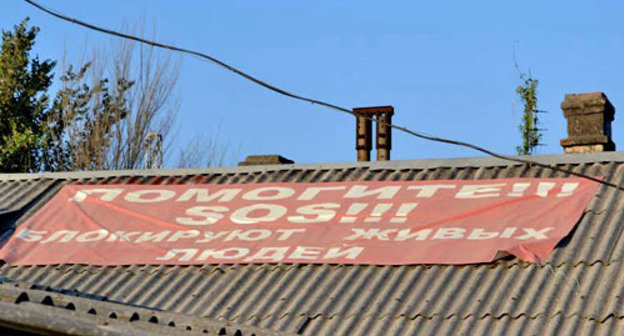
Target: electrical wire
{"type": "Point", "coordinates": [315, 101]}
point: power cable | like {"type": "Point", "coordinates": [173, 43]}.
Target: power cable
{"type": "Point", "coordinates": [314, 101]}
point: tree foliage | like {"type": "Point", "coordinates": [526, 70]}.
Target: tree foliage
{"type": "Point", "coordinates": [102, 114]}
{"type": "Point", "coordinates": [99, 117]}
{"type": "Point", "coordinates": [79, 127]}
{"type": "Point", "coordinates": [24, 82]}
{"type": "Point", "coordinates": [529, 128]}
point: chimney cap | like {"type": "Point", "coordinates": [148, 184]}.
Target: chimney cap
{"type": "Point", "coordinates": [372, 110]}
{"type": "Point", "coordinates": [587, 103]}
{"type": "Point", "coordinates": [258, 160]}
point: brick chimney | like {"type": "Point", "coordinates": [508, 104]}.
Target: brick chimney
{"type": "Point", "coordinates": [382, 115]}
{"type": "Point", "coordinates": [260, 160]}
{"type": "Point", "coordinates": [589, 118]}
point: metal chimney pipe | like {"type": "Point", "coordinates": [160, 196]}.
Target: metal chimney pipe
{"type": "Point", "coordinates": [384, 134]}
{"type": "Point", "coordinates": [363, 139]}
{"type": "Point", "coordinates": [363, 129]}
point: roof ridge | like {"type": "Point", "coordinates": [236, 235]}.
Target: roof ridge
{"type": "Point", "coordinates": [461, 162]}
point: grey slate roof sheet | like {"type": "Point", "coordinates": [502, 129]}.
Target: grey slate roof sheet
{"type": "Point", "coordinates": [15, 195]}
{"type": "Point", "coordinates": [579, 287]}
{"type": "Point", "coordinates": [48, 312]}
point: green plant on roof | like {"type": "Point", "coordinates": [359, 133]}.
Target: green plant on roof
{"type": "Point", "coordinates": [530, 132]}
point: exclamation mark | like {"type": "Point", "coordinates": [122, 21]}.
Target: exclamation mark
{"type": "Point", "coordinates": [567, 189]}
{"type": "Point", "coordinates": [353, 210]}
{"type": "Point", "coordinates": [518, 189]}
{"type": "Point", "coordinates": [404, 210]}
{"type": "Point", "coordinates": [543, 188]}
{"type": "Point", "coordinates": [378, 210]}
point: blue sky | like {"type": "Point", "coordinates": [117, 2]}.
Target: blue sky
{"type": "Point", "coordinates": [446, 66]}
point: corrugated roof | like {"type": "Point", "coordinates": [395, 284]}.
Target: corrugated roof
{"type": "Point", "coordinates": [16, 195]}
{"type": "Point", "coordinates": [577, 288]}
{"type": "Point", "coordinates": [48, 312]}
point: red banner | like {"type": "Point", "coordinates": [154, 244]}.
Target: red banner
{"type": "Point", "coordinates": [381, 223]}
